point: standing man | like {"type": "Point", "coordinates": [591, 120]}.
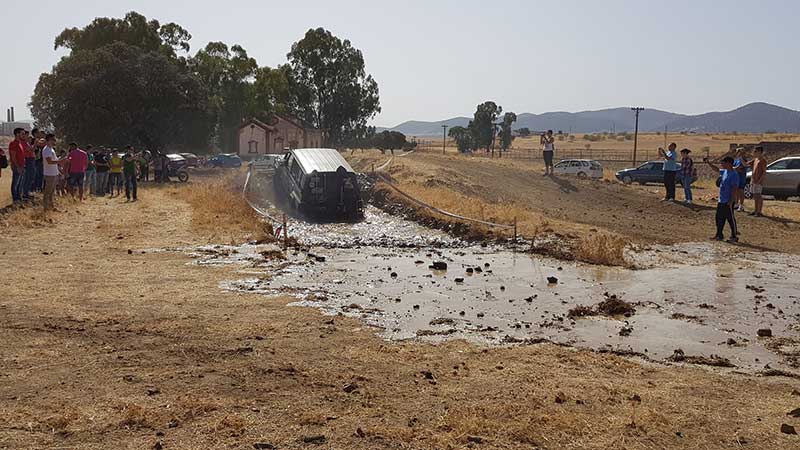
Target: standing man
{"type": "Point", "coordinates": [687, 175]}
{"type": "Point", "coordinates": [727, 189]}
{"type": "Point", "coordinates": [50, 170]}
{"type": "Point", "coordinates": [37, 142]}
{"type": "Point", "coordinates": [670, 170]}
{"type": "Point", "coordinates": [548, 150]}
{"type": "Point", "coordinates": [740, 166]}
{"type": "Point", "coordinates": [115, 169]}
{"type": "Point", "coordinates": [78, 162]}
{"type": "Point", "coordinates": [130, 164]}
{"type": "Point", "coordinates": [757, 180]}
{"type": "Point", "coordinates": [91, 175]}
{"type": "Point", "coordinates": [30, 171]}
{"type": "Point", "coordinates": [101, 166]}
{"type": "Point", "coordinates": [16, 155]}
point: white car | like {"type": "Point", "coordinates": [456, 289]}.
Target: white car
{"type": "Point", "coordinates": [581, 168]}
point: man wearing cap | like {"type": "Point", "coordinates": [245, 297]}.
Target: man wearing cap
{"type": "Point", "coordinates": [727, 190]}
{"type": "Point", "coordinates": [670, 170]}
{"type": "Point", "coordinates": [687, 175]}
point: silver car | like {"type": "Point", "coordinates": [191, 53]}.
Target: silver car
{"type": "Point", "coordinates": [782, 179]}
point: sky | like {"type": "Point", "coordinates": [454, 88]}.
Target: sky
{"type": "Point", "coordinates": [435, 60]}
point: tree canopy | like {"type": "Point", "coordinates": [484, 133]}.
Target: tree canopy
{"type": "Point", "coordinates": [329, 85]}
{"type": "Point", "coordinates": [506, 136]}
{"type": "Point", "coordinates": [131, 81]}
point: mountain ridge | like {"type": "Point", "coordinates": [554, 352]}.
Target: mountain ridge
{"type": "Point", "coordinates": [753, 117]}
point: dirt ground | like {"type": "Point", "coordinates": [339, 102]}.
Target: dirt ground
{"type": "Point", "coordinates": [500, 190]}
{"type": "Point", "coordinates": [109, 341]}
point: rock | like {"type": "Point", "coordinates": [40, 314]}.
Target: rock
{"type": "Point", "coordinates": [316, 439]}
{"type": "Point", "coordinates": [788, 429]}
{"type": "Point", "coordinates": [764, 332]}
{"type": "Point", "coordinates": [438, 265]}
{"type": "Point", "coordinates": [552, 280]}
{"type": "Point", "coordinates": [795, 392]}
{"type": "Point", "coordinates": [480, 315]}
{"type": "Point", "coordinates": [459, 280]}
{"type": "Point", "coordinates": [153, 391]}
{"type": "Point", "coordinates": [427, 374]}
{"type": "Point", "coordinates": [486, 265]}
{"type": "Point", "coordinates": [173, 423]}
{"type": "Point", "coordinates": [319, 258]}
{"type": "Point", "coordinates": [130, 252]}
{"type": "Point", "coordinates": [470, 270]}
{"type": "Point", "coordinates": [731, 341]}
{"type": "Point", "coordinates": [393, 275]}
{"type": "Point", "coordinates": [416, 306]}
{"type": "Point", "coordinates": [626, 330]}
{"type": "Point", "coordinates": [360, 433]}
{"type": "Point", "coordinates": [350, 387]}
{"type": "Point", "coordinates": [474, 439]}
{"type": "Point", "coordinates": [478, 270]}
{"type": "Point", "coordinates": [264, 446]}
{"type": "Point", "coordinates": [561, 397]}
{"type": "Point", "coordinates": [794, 413]}
{"type": "Point", "coordinates": [502, 288]}
{"type": "Point", "coordinates": [158, 446]}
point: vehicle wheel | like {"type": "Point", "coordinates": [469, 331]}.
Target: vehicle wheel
{"type": "Point", "coordinates": [183, 176]}
{"type": "Point", "coordinates": [747, 193]}
{"type": "Point", "coordinates": [627, 179]}
{"type": "Point", "coordinates": [581, 175]}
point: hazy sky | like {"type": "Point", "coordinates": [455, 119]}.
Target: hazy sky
{"type": "Point", "coordinates": [438, 59]}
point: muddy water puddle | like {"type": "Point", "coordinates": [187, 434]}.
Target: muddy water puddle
{"type": "Point", "coordinates": [709, 313]}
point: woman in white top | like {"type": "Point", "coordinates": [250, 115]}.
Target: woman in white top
{"type": "Point", "coordinates": [548, 149]}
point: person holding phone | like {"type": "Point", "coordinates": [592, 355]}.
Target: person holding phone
{"type": "Point", "coordinates": [548, 143]}
{"type": "Point", "coordinates": [670, 170]}
{"type": "Point", "coordinates": [729, 182]}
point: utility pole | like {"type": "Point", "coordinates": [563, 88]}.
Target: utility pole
{"type": "Point", "coordinates": [665, 136]}
{"type": "Point", "coordinates": [444, 137]}
{"type": "Point", "coordinates": [636, 110]}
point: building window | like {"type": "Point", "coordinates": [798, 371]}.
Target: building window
{"type": "Point", "coordinates": [252, 146]}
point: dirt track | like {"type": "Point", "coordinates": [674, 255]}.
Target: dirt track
{"type": "Point", "coordinates": [631, 211]}
{"type": "Point", "coordinates": [102, 348]}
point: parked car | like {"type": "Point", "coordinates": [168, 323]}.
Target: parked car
{"type": "Point", "coordinates": [318, 182]}
{"type": "Point", "coordinates": [582, 168]}
{"type": "Point", "coordinates": [649, 172]}
{"type": "Point", "coordinates": [782, 179]}
{"type": "Point", "coordinates": [191, 159]}
{"type": "Point", "coordinates": [225, 160]}
{"type": "Point", "coordinates": [265, 163]}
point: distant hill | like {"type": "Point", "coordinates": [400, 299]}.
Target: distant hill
{"type": "Point", "coordinates": [754, 117]}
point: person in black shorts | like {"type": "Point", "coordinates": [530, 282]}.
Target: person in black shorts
{"type": "Point", "coordinates": [548, 143]}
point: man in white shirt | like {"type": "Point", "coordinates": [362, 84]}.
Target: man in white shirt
{"type": "Point", "coordinates": [50, 170]}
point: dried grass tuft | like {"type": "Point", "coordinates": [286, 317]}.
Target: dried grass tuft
{"type": "Point", "coordinates": [220, 211]}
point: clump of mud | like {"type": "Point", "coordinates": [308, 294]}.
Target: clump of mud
{"type": "Point", "coordinates": [612, 306]}
{"type": "Point", "coordinates": [713, 360]}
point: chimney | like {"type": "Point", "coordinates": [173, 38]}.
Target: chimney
{"type": "Point", "coordinates": [8, 114]}
{"type": "Point", "coordinates": [12, 114]}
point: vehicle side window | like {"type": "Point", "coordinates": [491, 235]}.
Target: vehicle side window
{"type": "Point", "coordinates": [561, 164]}
{"type": "Point", "coordinates": [575, 164]}
{"type": "Point", "coordinates": [780, 165]}
{"type": "Point", "coordinates": [794, 164]}
{"type": "Point", "coordinates": [585, 163]}
{"type": "Point", "coordinates": [658, 166]}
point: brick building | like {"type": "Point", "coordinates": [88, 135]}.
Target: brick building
{"type": "Point", "coordinates": [259, 138]}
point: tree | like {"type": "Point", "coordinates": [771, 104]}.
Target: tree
{"type": "Point", "coordinates": [506, 136]}
{"type": "Point", "coordinates": [329, 85]}
{"type": "Point", "coordinates": [482, 124]}
{"type": "Point", "coordinates": [524, 132]}
{"type": "Point", "coordinates": [390, 140]}
{"type": "Point", "coordinates": [463, 138]}
{"type": "Point", "coordinates": [122, 83]}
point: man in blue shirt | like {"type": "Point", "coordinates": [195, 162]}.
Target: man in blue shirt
{"type": "Point", "coordinates": [729, 182]}
{"type": "Point", "coordinates": [670, 170]}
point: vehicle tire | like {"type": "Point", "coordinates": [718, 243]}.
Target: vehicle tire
{"type": "Point", "coordinates": [627, 179]}
{"type": "Point", "coordinates": [183, 176]}
{"type": "Point", "coordinates": [582, 175]}
{"type": "Point", "coordinates": [747, 193]}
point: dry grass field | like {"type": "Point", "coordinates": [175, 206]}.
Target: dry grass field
{"type": "Point", "coordinates": [116, 341]}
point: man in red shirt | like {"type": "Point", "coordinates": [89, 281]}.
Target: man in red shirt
{"type": "Point", "coordinates": [78, 161]}
{"type": "Point", "coordinates": [16, 159]}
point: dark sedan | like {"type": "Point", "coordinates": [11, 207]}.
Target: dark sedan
{"type": "Point", "coordinates": [649, 172]}
{"type": "Point", "coordinates": [225, 160]}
